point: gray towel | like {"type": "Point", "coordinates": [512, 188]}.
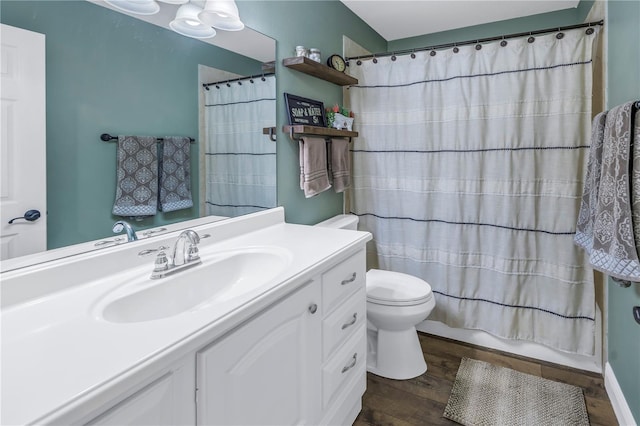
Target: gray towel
{"type": "Point", "coordinates": [313, 166]}
{"type": "Point", "coordinates": [175, 174]}
{"type": "Point", "coordinates": [589, 205]}
{"type": "Point", "coordinates": [614, 245]}
{"type": "Point", "coordinates": [340, 164]}
{"type": "Point", "coordinates": [137, 177]}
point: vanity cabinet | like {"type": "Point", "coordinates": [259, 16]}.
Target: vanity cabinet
{"type": "Point", "coordinates": [265, 372]}
{"type": "Point", "coordinates": [165, 401]}
{"type": "Point", "coordinates": [303, 361]}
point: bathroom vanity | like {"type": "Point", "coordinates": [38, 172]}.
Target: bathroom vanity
{"type": "Point", "coordinates": [269, 329]}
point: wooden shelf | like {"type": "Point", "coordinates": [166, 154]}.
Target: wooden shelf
{"type": "Point", "coordinates": [300, 129]}
{"type": "Point", "coordinates": [271, 131]}
{"type": "Point", "coordinates": [316, 69]}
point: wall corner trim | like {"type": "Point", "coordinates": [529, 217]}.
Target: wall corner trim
{"type": "Point", "coordinates": [618, 401]}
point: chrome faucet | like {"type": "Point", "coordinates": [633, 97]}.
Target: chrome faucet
{"type": "Point", "coordinates": [120, 225]}
{"type": "Point", "coordinates": [165, 266]}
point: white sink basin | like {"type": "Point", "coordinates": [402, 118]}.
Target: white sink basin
{"type": "Point", "coordinates": [221, 277]}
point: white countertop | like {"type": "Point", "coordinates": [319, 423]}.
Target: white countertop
{"type": "Point", "coordinates": [58, 352]}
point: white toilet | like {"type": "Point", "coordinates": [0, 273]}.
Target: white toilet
{"type": "Point", "coordinates": [396, 303]}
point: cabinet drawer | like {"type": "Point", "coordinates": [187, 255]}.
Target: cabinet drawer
{"type": "Point", "coordinates": [343, 280]}
{"type": "Point", "coordinates": [342, 322]}
{"type": "Point", "coordinates": [348, 363]}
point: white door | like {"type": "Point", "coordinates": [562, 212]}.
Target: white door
{"type": "Point", "coordinates": [268, 371]}
{"type": "Point", "coordinates": [23, 183]}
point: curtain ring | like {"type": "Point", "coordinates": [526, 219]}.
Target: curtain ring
{"type": "Point", "coordinates": [250, 80]}
{"type": "Point", "coordinates": [455, 48]}
{"type": "Point", "coordinates": [478, 45]}
{"type": "Point", "coordinates": [432, 53]}
{"type": "Point", "coordinates": [413, 54]}
{"type": "Point", "coordinates": [393, 56]}
{"type": "Point", "coordinates": [358, 62]}
{"type": "Point", "coordinates": [590, 30]}
{"type": "Point", "coordinates": [503, 43]}
{"type": "Point", "coordinates": [559, 36]}
{"type": "Point", "coordinates": [531, 39]}
{"type": "Point", "coordinates": [262, 78]}
{"type": "Point", "coordinates": [228, 85]}
{"type": "Point", "coordinates": [375, 60]}
{"type": "Point", "coordinates": [239, 83]}
{"type": "Point", "coordinates": [217, 87]}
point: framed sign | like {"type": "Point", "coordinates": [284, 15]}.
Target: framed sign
{"type": "Point", "coordinates": [304, 111]}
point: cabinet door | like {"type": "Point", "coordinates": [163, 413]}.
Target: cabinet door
{"type": "Point", "coordinates": [266, 372]}
{"type": "Point", "coordinates": [167, 400]}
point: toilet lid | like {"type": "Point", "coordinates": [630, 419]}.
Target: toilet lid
{"type": "Point", "coordinates": [395, 288]}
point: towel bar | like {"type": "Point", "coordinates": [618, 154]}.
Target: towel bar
{"type": "Point", "coordinates": [106, 137]}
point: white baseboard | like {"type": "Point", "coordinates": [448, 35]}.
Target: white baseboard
{"type": "Point", "coordinates": [618, 401]}
{"type": "Point", "coordinates": [522, 348]}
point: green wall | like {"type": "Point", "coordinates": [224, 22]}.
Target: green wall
{"type": "Point", "coordinates": [142, 79]}
{"type": "Point", "coordinates": [624, 85]}
{"type": "Point", "coordinates": [107, 72]}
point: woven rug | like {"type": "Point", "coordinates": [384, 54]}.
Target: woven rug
{"type": "Point", "coordinates": [484, 394]}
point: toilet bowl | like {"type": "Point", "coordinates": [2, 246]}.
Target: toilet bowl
{"type": "Point", "coordinates": [396, 303]}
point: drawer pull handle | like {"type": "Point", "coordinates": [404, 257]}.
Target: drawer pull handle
{"type": "Point", "coordinates": [349, 280]}
{"type": "Point", "coordinates": [351, 364]}
{"type": "Point", "coordinates": [350, 323]}
{"type": "Point", "coordinates": [313, 308]}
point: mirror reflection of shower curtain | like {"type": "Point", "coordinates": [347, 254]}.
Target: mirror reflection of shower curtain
{"type": "Point", "coordinates": [240, 160]}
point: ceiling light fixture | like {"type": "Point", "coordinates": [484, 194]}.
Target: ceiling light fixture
{"type": "Point", "coordinates": [221, 14]}
{"type": "Point", "coordinates": [188, 24]}
{"type": "Point", "coordinates": [139, 7]}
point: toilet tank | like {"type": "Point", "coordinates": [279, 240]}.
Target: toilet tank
{"type": "Point", "coordinates": [341, 221]}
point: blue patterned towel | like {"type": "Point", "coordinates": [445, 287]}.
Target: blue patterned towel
{"type": "Point", "coordinates": [175, 174]}
{"type": "Point", "coordinates": [137, 177]}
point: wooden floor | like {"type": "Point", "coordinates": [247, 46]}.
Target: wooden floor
{"type": "Point", "coordinates": [421, 401]}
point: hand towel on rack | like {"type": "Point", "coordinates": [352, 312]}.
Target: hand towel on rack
{"type": "Point", "coordinates": [635, 178]}
{"type": "Point", "coordinates": [137, 177]}
{"type": "Point", "coordinates": [313, 166]}
{"type": "Point", "coordinates": [589, 204]}
{"type": "Point", "coordinates": [340, 164]}
{"type": "Point", "coordinates": [175, 174]}
{"type": "Point", "coordinates": [614, 247]}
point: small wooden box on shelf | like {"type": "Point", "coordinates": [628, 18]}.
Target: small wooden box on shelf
{"type": "Point", "coordinates": [316, 69]}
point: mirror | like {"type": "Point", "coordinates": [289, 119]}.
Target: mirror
{"type": "Point", "coordinates": [107, 72]}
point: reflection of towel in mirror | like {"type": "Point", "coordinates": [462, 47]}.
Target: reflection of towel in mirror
{"type": "Point", "coordinates": [175, 174]}
{"type": "Point", "coordinates": [340, 164]}
{"type": "Point", "coordinates": [137, 177]}
{"type": "Point", "coordinates": [313, 166]}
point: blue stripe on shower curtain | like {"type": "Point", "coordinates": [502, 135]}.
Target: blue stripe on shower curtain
{"type": "Point", "coordinates": [468, 171]}
{"type": "Point", "coordinates": [239, 160]}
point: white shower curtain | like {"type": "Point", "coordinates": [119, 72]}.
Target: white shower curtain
{"type": "Point", "coordinates": [240, 160]}
{"type": "Point", "coordinates": [468, 171]}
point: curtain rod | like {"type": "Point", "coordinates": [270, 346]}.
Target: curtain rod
{"type": "Point", "coordinates": [251, 77]}
{"type": "Point", "coordinates": [477, 41]}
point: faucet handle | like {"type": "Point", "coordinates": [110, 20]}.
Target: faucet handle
{"type": "Point", "coordinates": [193, 253]}
{"type": "Point", "coordinates": [162, 263]}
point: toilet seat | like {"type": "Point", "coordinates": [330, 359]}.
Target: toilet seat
{"type": "Point", "coordinates": [396, 289]}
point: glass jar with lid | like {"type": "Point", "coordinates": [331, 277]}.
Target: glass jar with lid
{"type": "Point", "coordinates": [314, 54]}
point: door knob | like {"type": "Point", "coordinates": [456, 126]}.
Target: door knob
{"type": "Point", "coordinates": [29, 215]}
